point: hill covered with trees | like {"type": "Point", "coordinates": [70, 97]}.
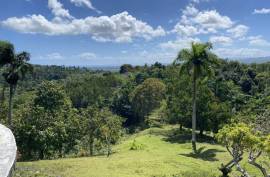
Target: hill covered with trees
{"type": "Point", "coordinates": [58, 112]}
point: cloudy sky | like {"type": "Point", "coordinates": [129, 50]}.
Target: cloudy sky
{"type": "Point", "coordinates": [113, 32]}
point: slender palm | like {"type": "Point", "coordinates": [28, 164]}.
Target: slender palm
{"type": "Point", "coordinates": [197, 62]}
{"type": "Point", "coordinates": [16, 70]}
{"type": "Point", "coordinates": [6, 55]}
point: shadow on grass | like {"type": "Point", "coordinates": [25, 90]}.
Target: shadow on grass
{"type": "Point", "coordinates": [204, 154]}
{"type": "Point", "coordinates": [184, 136]}
{"type": "Point", "coordinates": [34, 171]}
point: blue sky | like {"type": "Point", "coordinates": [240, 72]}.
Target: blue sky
{"type": "Point", "coordinates": [114, 32]}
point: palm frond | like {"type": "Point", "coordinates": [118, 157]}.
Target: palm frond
{"type": "Point", "coordinates": [6, 52]}
{"type": "Point", "coordinates": [183, 55]}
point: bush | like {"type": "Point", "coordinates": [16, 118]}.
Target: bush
{"type": "Point", "coordinates": [136, 146]}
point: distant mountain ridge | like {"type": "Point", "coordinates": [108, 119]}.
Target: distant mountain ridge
{"type": "Point", "coordinates": [255, 60]}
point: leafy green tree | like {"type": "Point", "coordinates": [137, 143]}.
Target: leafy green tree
{"type": "Point", "coordinates": [262, 122]}
{"type": "Point", "coordinates": [101, 126]}
{"type": "Point", "coordinates": [91, 89]}
{"type": "Point", "coordinates": [238, 138]}
{"type": "Point", "coordinates": [219, 114]}
{"type": "Point", "coordinates": [198, 62]}
{"type": "Point", "coordinates": [126, 68]}
{"type": "Point", "coordinates": [91, 124]}
{"type": "Point", "coordinates": [110, 129]}
{"type": "Point", "coordinates": [121, 103]}
{"type": "Point", "coordinates": [178, 97]}
{"type": "Point", "coordinates": [51, 96]}
{"type": "Point", "coordinates": [147, 97]}
{"type": "Point", "coordinates": [235, 138]}
{"type": "Point", "coordinates": [16, 70]}
{"type": "Point", "coordinates": [48, 127]}
{"type": "Point", "coordinates": [141, 77]}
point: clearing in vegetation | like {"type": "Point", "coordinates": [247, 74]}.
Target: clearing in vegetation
{"type": "Point", "coordinates": [155, 152]}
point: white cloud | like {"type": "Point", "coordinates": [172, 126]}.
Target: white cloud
{"type": "Point", "coordinates": [261, 11]}
{"type": "Point", "coordinates": [198, 1]}
{"type": "Point", "coordinates": [223, 40]}
{"type": "Point", "coordinates": [179, 44]}
{"type": "Point", "coordinates": [213, 20]}
{"type": "Point", "coordinates": [121, 27]}
{"type": "Point", "coordinates": [195, 1]}
{"type": "Point", "coordinates": [190, 10]}
{"type": "Point", "coordinates": [58, 10]}
{"type": "Point", "coordinates": [239, 31]}
{"type": "Point", "coordinates": [53, 56]}
{"type": "Point", "coordinates": [86, 3]}
{"type": "Point", "coordinates": [195, 22]}
{"type": "Point", "coordinates": [185, 30]}
{"type": "Point", "coordinates": [87, 55]}
{"type": "Point", "coordinates": [258, 41]}
{"type": "Point", "coordinates": [144, 53]}
{"type": "Point", "coordinates": [241, 52]}
{"type": "Point", "coordinates": [153, 56]}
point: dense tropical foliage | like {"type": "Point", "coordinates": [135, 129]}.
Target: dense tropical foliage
{"type": "Point", "coordinates": [61, 111]}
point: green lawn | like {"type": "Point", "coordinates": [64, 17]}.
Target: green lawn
{"type": "Point", "coordinates": [164, 153]}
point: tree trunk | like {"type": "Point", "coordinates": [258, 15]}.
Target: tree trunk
{"type": "Point", "coordinates": [201, 132]}
{"type": "Point", "coordinates": [108, 146]}
{"type": "Point", "coordinates": [194, 110]}
{"type": "Point", "coordinates": [3, 95]}
{"type": "Point", "coordinates": [91, 146]}
{"type": "Point", "coordinates": [180, 127]}
{"type": "Point", "coordinates": [10, 105]}
{"type": "Point", "coordinates": [226, 169]}
{"type": "Point", "coordinates": [252, 160]}
{"type": "Point", "coordinates": [41, 154]}
{"type": "Point", "coordinates": [2, 99]}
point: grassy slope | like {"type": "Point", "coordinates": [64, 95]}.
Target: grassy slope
{"type": "Point", "coordinates": [162, 155]}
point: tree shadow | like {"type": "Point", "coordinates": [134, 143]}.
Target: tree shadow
{"type": "Point", "coordinates": [184, 136]}
{"type": "Point", "coordinates": [204, 154]}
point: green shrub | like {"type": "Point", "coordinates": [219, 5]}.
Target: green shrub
{"type": "Point", "coordinates": [136, 146]}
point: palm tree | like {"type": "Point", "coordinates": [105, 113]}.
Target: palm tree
{"type": "Point", "coordinates": [6, 53]}
{"type": "Point", "coordinates": [16, 70]}
{"type": "Point", "coordinates": [197, 62]}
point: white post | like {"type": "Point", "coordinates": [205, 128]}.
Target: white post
{"type": "Point", "coordinates": [8, 152]}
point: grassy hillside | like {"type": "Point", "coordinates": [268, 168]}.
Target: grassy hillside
{"type": "Point", "coordinates": [160, 153]}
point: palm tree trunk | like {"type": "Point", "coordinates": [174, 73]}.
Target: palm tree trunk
{"type": "Point", "coordinates": [194, 110]}
{"type": "Point", "coordinates": [3, 96]}
{"type": "Point", "coordinates": [10, 105]}
{"type": "Point", "coordinates": [91, 146]}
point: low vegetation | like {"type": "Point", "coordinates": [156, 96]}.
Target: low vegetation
{"type": "Point", "coordinates": [158, 153]}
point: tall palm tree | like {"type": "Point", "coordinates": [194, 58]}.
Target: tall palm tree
{"type": "Point", "coordinates": [197, 62]}
{"type": "Point", "coordinates": [6, 55]}
{"type": "Point", "coordinates": [16, 70]}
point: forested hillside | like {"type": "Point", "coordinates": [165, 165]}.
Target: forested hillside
{"type": "Point", "coordinates": [58, 112]}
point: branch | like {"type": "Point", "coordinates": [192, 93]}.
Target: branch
{"type": "Point", "coordinates": [252, 160]}
{"type": "Point", "coordinates": [240, 169]}
{"type": "Point", "coordinates": [229, 151]}
{"type": "Point", "coordinates": [237, 157]}
{"type": "Point", "coordinates": [237, 154]}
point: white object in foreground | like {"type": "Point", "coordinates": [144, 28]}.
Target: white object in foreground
{"type": "Point", "coordinates": [8, 151]}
